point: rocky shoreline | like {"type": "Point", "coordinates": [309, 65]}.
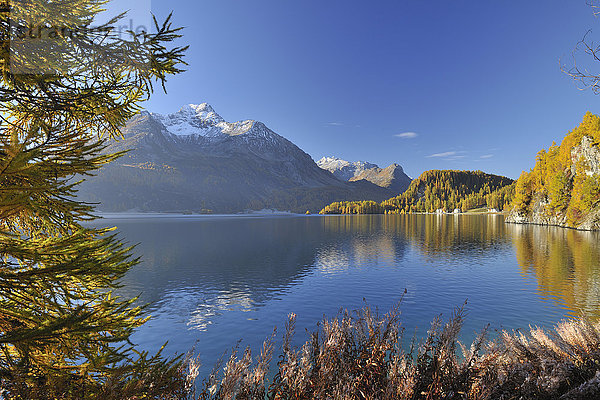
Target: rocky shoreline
{"type": "Point", "coordinates": [584, 162]}
{"type": "Point", "coordinates": [540, 217]}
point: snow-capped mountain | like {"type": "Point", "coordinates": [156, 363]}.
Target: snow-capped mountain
{"type": "Point", "coordinates": [201, 120]}
{"type": "Point", "coordinates": [392, 177]}
{"type": "Point", "coordinates": [195, 160]}
{"type": "Point", "coordinates": [342, 169]}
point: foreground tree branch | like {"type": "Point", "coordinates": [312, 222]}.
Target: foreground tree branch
{"type": "Point", "coordinates": [63, 332]}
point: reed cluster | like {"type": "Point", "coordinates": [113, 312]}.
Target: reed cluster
{"type": "Point", "coordinates": [362, 355]}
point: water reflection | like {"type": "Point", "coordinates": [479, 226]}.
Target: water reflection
{"type": "Point", "coordinates": [565, 263]}
{"type": "Point", "coordinates": [213, 266]}
{"type": "Point", "coordinates": [200, 269]}
{"type": "Point", "coordinates": [370, 241]}
{"type": "Point", "coordinates": [434, 235]}
{"type": "Point", "coordinates": [441, 235]}
{"type": "Point", "coordinates": [202, 316]}
{"type": "Point", "coordinates": [219, 279]}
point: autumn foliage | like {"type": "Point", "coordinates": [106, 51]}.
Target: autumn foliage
{"type": "Point", "coordinates": [562, 181]}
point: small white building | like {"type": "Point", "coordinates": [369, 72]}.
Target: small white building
{"type": "Point", "coordinates": [439, 211]}
{"type": "Point", "coordinates": [493, 210]}
{"type": "Point", "coordinates": [457, 211]}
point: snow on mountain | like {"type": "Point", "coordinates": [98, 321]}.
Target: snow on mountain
{"type": "Point", "coordinates": [202, 120]}
{"type": "Point", "coordinates": [332, 163]}
{"type": "Point", "coordinates": [342, 169]}
{"type": "Point", "coordinates": [195, 160]}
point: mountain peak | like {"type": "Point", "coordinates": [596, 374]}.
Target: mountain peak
{"type": "Point", "coordinates": [203, 111]}
{"type": "Point", "coordinates": [332, 162]}
{"type": "Point", "coordinates": [193, 119]}
{"type": "Point", "coordinates": [395, 166]}
{"type": "Point", "coordinates": [343, 169]}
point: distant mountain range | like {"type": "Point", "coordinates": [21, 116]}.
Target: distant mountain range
{"type": "Point", "coordinates": [392, 177]}
{"type": "Point", "coordinates": [342, 169]}
{"type": "Point", "coordinates": [194, 160]}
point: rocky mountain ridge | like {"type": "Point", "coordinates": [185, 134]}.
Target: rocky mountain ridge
{"type": "Point", "coordinates": [194, 160]}
{"type": "Point", "coordinates": [342, 169]}
{"type": "Point", "coordinates": [392, 177]}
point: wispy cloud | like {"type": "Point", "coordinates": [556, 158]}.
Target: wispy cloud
{"type": "Point", "coordinates": [487, 156]}
{"type": "Point", "coordinates": [407, 135]}
{"type": "Point", "coordinates": [335, 123]}
{"type": "Point", "coordinates": [444, 154]}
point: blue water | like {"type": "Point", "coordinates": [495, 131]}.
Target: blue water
{"type": "Point", "coordinates": [213, 280]}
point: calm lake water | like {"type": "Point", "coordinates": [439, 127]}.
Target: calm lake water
{"type": "Point", "coordinates": [212, 280]}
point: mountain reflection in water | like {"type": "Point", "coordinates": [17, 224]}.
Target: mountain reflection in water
{"type": "Point", "coordinates": [212, 280]}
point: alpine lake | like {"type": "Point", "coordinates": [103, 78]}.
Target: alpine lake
{"type": "Point", "coordinates": [214, 282]}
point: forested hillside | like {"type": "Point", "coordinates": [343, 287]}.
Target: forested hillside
{"type": "Point", "coordinates": [564, 186]}
{"type": "Point", "coordinates": [438, 189]}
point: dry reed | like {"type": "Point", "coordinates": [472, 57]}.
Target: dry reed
{"type": "Point", "coordinates": [361, 356]}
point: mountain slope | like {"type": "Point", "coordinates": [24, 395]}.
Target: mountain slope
{"type": "Point", "coordinates": [193, 160]}
{"type": "Point", "coordinates": [563, 188]}
{"type": "Point", "coordinates": [392, 177]}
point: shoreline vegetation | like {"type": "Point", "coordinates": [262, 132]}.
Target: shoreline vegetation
{"type": "Point", "coordinates": [276, 213]}
{"type": "Point", "coordinates": [438, 191]}
{"type": "Point", "coordinates": [362, 355]}
{"type": "Point", "coordinates": [563, 188]}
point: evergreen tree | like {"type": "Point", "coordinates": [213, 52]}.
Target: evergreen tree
{"type": "Point", "coordinates": [63, 333]}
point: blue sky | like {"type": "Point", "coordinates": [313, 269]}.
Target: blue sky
{"type": "Point", "coordinates": [426, 84]}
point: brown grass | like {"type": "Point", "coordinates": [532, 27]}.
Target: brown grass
{"type": "Point", "coordinates": [361, 356]}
